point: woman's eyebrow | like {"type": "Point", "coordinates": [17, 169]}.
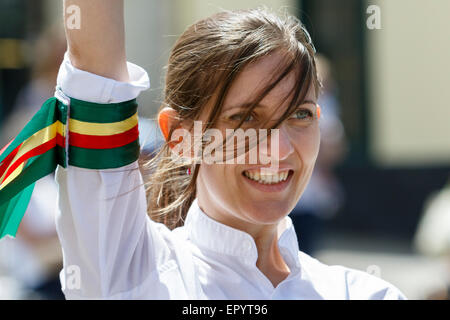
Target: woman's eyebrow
{"type": "Point", "coordinates": [260, 106]}
{"type": "Point", "coordinates": [244, 106]}
{"type": "Point", "coordinates": [307, 101]}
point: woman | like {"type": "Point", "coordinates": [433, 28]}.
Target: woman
{"type": "Point", "coordinates": [218, 231]}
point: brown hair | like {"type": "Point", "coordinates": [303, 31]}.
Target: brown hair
{"type": "Point", "coordinates": [203, 64]}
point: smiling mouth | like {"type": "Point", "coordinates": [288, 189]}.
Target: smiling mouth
{"type": "Point", "coordinates": [268, 178]}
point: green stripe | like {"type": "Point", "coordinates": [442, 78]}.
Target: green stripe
{"type": "Point", "coordinates": [104, 158]}
{"type": "Point", "coordinates": [61, 156]}
{"type": "Point", "coordinates": [11, 212]}
{"type": "Point", "coordinates": [101, 113]}
{"type": "Point", "coordinates": [50, 111]}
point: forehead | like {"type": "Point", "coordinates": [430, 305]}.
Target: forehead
{"type": "Point", "coordinates": [256, 76]}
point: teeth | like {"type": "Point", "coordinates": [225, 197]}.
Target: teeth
{"type": "Point", "coordinates": [265, 178]}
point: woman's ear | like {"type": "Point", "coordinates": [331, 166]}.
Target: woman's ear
{"type": "Point", "coordinates": [166, 119]}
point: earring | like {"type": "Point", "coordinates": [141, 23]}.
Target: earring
{"type": "Point", "coordinates": [188, 171]}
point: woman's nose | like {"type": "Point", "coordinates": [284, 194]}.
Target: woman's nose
{"type": "Point", "coordinates": [279, 144]}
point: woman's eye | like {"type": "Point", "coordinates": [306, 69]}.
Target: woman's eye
{"type": "Point", "coordinates": [239, 116]}
{"type": "Point", "coordinates": [302, 114]}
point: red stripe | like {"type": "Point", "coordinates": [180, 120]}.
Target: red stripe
{"type": "Point", "coordinates": [103, 142]}
{"type": "Point", "coordinates": [41, 149]}
{"type": "Point", "coordinates": [60, 140]}
{"type": "Point", "coordinates": [9, 158]}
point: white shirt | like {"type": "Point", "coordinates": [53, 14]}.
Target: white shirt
{"type": "Point", "coordinates": [113, 250]}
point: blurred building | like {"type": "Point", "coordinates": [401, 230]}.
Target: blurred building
{"type": "Point", "coordinates": [394, 107]}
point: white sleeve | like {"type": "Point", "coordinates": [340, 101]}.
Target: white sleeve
{"type": "Point", "coordinates": [87, 86]}
{"type": "Point", "coordinates": [110, 246]}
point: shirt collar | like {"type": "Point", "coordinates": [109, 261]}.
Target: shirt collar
{"type": "Point", "coordinates": [210, 234]}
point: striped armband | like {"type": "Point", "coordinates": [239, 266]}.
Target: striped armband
{"type": "Point", "coordinates": [103, 136]}
{"type": "Point", "coordinates": [65, 131]}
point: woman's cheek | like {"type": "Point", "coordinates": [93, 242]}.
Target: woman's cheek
{"type": "Point", "coordinates": [215, 178]}
{"type": "Point", "coordinates": [307, 143]}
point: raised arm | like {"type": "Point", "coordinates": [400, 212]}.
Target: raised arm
{"type": "Point", "coordinates": [106, 235]}
{"type": "Point", "coordinates": [98, 46]}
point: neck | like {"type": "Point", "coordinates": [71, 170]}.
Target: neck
{"type": "Point", "coordinates": [270, 262]}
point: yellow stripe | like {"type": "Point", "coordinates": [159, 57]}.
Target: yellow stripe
{"type": "Point", "coordinates": [102, 129]}
{"type": "Point", "coordinates": [13, 175]}
{"type": "Point", "coordinates": [42, 136]}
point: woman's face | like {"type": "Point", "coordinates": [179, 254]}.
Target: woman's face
{"type": "Point", "coordinates": [245, 196]}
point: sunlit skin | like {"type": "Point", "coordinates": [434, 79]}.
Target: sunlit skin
{"type": "Point", "coordinates": [220, 187]}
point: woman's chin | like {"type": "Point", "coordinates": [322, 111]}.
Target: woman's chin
{"type": "Point", "coordinates": [267, 212]}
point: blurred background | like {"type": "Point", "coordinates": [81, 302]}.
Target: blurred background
{"type": "Point", "coordinates": [379, 199]}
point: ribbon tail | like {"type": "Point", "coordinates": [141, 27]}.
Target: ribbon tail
{"type": "Point", "coordinates": [13, 211]}
{"type": "Point", "coordinates": [34, 153]}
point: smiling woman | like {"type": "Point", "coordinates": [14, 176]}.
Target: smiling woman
{"type": "Point", "coordinates": [203, 230]}
{"type": "Point", "coordinates": [251, 60]}
{"type": "Point", "coordinates": [264, 65]}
